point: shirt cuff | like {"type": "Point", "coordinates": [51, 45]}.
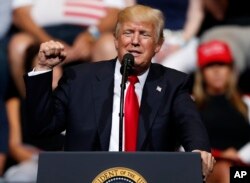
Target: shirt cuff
{"type": "Point", "coordinates": [34, 73]}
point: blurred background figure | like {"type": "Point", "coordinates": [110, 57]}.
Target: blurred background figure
{"type": "Point", "coordinates": [223, 111]}
{"type": "Point", "coordinates": [237, 38]}
{"type": "Point", "coordinates": [5, 20]}
{"type": "Point", "coordinates": [229, 21]}
{"type": "Point", "coordinates": [183, 21]}
{"type": "Point", "coordinates": [225, 12]}
{"type": "Point", "coordinates": [76, 23]}
{"type": "Point", "coordinates": [22, 162]}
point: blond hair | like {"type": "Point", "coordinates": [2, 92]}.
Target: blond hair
{"type": "Point", "coordinates": [141, 13]}
{"type": "Point", "coordinates": [201, 96]}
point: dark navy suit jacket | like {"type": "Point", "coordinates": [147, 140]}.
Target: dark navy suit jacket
{"type": "Point", "coordinates": [83, 103]}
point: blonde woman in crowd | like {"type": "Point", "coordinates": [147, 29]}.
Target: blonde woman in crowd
{"type": "Point", "coordinates": [221, 106]}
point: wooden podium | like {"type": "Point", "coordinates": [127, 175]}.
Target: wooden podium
{"type": "Point", "coordinates": [119, 167]}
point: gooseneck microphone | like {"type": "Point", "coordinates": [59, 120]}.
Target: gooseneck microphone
{"type": "Point", "coordinates": [126, 70]}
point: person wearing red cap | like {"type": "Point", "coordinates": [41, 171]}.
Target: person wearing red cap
{"type": "Point", "coordinates": [221, 107]}
{"type": "Point", "coordinates": [214, 52]}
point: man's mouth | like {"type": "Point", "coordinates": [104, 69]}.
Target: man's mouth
{"type": "Point", "coordinates": [135, 53]}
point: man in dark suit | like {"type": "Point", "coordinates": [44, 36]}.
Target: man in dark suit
{"type": "Point", "coordinates": [86, 101]}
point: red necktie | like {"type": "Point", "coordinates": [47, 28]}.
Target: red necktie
{"type": "Point", "coordinates": [131, 115]}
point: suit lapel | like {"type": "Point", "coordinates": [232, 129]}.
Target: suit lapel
{"type": "Point", "coordinates": [153, 91]}
{"type": "Point", "coordinates": [103, 89]}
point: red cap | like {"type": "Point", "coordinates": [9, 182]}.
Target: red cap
{"type": "Point", "coordinates": [214, 52]}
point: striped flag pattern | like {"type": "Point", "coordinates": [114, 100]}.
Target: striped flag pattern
{"type": "Point", "coordinates": [84, 12]}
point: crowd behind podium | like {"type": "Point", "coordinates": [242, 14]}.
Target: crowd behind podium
{"type": "Point", "coordinates": [204, 38]}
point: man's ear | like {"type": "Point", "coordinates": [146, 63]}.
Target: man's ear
{"type": "Point", "coordinates": [116, 44]}
{"type": "Point", "coordinates": [115, 41]}
{"type": "Point", "coordinates": [158, 46]}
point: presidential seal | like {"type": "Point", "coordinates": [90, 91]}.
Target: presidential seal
{"type": "Point", "coordinates": [119, 175]}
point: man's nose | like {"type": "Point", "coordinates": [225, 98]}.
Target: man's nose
{"type": "Point", "coordinates": [135, 39]}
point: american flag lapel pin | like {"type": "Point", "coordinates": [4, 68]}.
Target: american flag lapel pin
{"type": "Point", "coordinates": [158, 88]}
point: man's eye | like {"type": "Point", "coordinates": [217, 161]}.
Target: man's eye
{"type": "Point", "coordinates": [127, 33]}
{"type": "Point", "coordinates": [146, 34]}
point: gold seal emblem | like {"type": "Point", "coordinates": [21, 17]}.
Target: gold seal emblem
{"type": "Point", "coordinates": [119, 175]}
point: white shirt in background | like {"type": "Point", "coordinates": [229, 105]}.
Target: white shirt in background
{"type": "Point", "coordinates": [79, 12]}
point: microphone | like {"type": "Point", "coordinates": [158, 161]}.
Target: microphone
{"type": "Point", "coordinates": [127, 64]}
{"type": "Point", "coordinates": [126, 70]}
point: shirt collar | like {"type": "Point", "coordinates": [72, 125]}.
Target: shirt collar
{"type": "Point", "coordinates": [142, 78]}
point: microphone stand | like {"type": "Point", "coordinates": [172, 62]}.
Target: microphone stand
{"type": "Point", "coordinates": [126, 70]}
{"type": "Point", "coordinates": [121, 114]}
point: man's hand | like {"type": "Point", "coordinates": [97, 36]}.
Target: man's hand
{"type": "Point", "coordinates": [50, 54]}
{"type": "Point", "coordinates": [208, 162]}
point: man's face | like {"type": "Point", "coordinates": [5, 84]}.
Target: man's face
{"type": "Point", "coordinates": [139, 39]}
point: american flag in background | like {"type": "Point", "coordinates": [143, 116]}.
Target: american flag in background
{"type": "Point", "coordinates": [84, 12]}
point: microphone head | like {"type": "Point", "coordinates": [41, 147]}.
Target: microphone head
{"type": "Point", "coordinates": [128, 59]}
{"type": "Point", "coordinates": [127, 64]}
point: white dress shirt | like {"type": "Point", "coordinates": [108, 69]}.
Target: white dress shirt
{"type": "Point", "coordinates": [114, 137]}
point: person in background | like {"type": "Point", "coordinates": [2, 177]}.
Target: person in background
{"type": "Point", "coordinates": [184, 18]}
{"type": "Point", "coordinates": [5, 19]}
{"type": "Point", "coordinates": [214, 14]}
{"type": "Point", "coordinates": [223, 111]}
{"type": "Point", "coordinates": [86, 99]}
{"type": "Point", "coordinates": [77, 24]}
{"type": "Point", "coordinates": [232, 26]}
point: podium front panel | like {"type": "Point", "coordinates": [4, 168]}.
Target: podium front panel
{"type": "Point", "coordinates": [119, 167]}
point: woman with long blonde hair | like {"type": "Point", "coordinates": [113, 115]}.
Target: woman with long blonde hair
{"type": "Point", "coordinates": [222, 109]}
